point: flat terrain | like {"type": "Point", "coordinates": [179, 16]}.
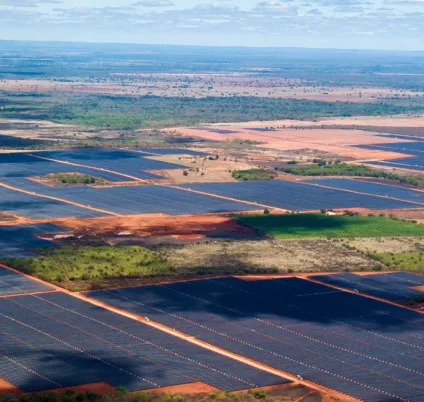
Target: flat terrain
{"type": "Point", "coordinates": [314, 225]}
{"type": "Point", "coordinates": [266, 256]}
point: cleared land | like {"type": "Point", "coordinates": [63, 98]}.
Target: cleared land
{"type": "Point", "coordinates": [265, 256]}
{"type": "Point", "coordinates": [297, 226]}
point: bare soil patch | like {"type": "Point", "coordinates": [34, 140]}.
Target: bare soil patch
{"type": "Point", "coordinates": [155, 225]}
{"type": "Point", "coordinates": [285, 138]}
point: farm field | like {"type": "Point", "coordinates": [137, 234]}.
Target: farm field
{"type": "Point", "coordinates": [294, 325]}
{"type": "Point", "coordinates": [293, 226]}
{"type": "Point", "coordinates": [298, 197]}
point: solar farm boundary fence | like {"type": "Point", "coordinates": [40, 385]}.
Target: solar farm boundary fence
{"type": "Point", "coordinates": [57, 199]}
{"type": "Point", "coordinates": [362, 193]}
{"type": "Point", "coordinates": [91, 167]}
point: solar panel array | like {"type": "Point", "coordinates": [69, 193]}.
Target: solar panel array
{"type": "Point", "coordinates": [18, 203]}
{"type": "Point", "coordinates": [373, 188]}
{"type": "Point", "coordinates": [415, 149]}
{"type": "Point", "coordinates": [55, 340]}
{"type": "Point", "coordinates": [24, 165]}
{"type": "Point", "coordinates": [296, 196]}
{"type": "Point", "coordinates": [15, 241]}
{"type": "Point", "coordinates": [139, 199]}
{"type": "Point", "coordinates": [359, 346]}
{"type": "Point", "coordinates": [12, 283]}
{"type": "Point", "coordinates": [117, 160]}
{"type": "Point", "coordinates": [395, 165]}
{"type": "Point", "coordinates": [395, 286]}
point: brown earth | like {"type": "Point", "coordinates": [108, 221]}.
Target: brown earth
{"type": "Point", "coordinates": [6, 388]}
{"type": "Point", "coordinates": [155, 225]}
{"type": "Point", "coordinates": [335, 141]}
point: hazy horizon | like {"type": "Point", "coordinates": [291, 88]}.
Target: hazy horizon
{"type": "Point", "coordinates": [314, 24]}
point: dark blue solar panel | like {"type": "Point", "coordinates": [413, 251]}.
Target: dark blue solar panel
{"type": "Point", "coordinates": [139, 199]}
{"type": "Point", "coordinates": [25, 165]}
{"type": "Point", "coordinates": [395, 287]}
{"type": "Point", "coordinates": [359, 346]}
{"type": "Point", "coordinates": [13, 283]}
{"type": "Point", "coordinates": [17, 241]}
{"type": "Point", "coordinates": [55, 340]}
{"type": "Point", "coordinates": [395, 165]}
{"type": "Point", "coordinates": [296, 196]}
{"type": "Point", "coordinates": [120, 161]}
{"type": "Point", "coordinates": [373, 188]}
{"type": "Point", "coordinates": [29, 205]}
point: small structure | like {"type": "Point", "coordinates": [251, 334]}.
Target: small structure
{"type": "Point", "coordinates": [331, 213]}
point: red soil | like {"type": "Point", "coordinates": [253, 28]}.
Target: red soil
{"type": "Point", "coordinates": [156, 225]}
{"type": "Point", "coordinates": [8, 388]}
{"type": "Point", "coordinates": [192, 388]}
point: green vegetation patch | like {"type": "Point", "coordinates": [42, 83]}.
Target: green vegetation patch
{"type": "Point", "coordinates": [76, 178]}
{"type": "Point", "coordinates": [92, 263]}
{"type": "Point", "coordinates": [297, 226]}
{"type": "Point", "coordinates": [122, 112]}
{"type": "Point", "coordinates": [253, 174]}
{"type": "Point", "coordinates": [408, 261]}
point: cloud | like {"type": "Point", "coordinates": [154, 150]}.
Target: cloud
{"type": "Point", "coordinates": [405, 2]}
{"type": "Point", "coordinates": [154, 3]}
{"type": "Point", "coordinates": [27, 3]}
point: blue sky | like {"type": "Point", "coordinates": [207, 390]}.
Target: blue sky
{"type": "Point", "coordinates": [359, 24]}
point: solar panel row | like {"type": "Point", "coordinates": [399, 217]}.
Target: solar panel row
{"type": "Point", "coordinates": [297, 196]}
{"type": "Point", "coordinates": [24, 204]}
{"type": "Point", "coordinates": [117, 160]}
{"type": "Point", "coordinates": [139, 199]}
{"type": "Point", "coordinates": [13, 283]}
{"type": "Point", "coordinates": [373, 189]}
{"type": "Point", "coordinates": [392, 287]}
{"type": "Point", "coordinates": [55, 340]}
{"type": "Point", "coordinates": [358, 346]}
{"type": "Point", "coordinates": [25, 165]}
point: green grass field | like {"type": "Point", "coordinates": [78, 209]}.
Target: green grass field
{"type": "Point", "coordinates": [91, 264]}
{"type": "Point", "coordinates": [298, 226]}
{"type": "Point", "coordinates": [409, 261]}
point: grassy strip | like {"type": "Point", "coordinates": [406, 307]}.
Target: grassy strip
{"type": "Point", "coordinates": [289, 394]}
{"type": "Point", "coordinates": [253, 174]}
{"type": "Point", "coordinates": [92, 263]}
{"type": "Point", "coordinates": [352, 170]}
{"type": "Point", "coordinates": [408, 261]}
{"type": "Point", "coordinates": [298, 226]}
